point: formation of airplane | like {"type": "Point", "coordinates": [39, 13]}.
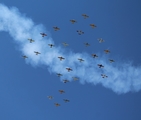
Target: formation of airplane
{"type": "Point", "coordinates": [61, 58]}
{"type": "Point", "coordinates": [31, 40]}
{"type": "Point", "coordinates": [43, 34]}
{"type": "Point", "coordinates": [93, 25]}
{"type": "Point", "coordinates": [104, 76]}
{"type": "Point", "coordinates": [87, 44]}
{"type": "Point", "coordinates": [107, 51]}
{"type": "Point", "coordinates": [65, 81]}
{"type": "Point", "coordinates": [73, 21]}
{"type": "Point", "coordinates": [57, 104]}
{"type": "Point", "coordinates": [80, 59]}
{"type": "Point", "coordinates": [36, 52]}
{"type": "Point", "coordinates": [100, 65]}
{"type": "Point", "coordinates": [66, 100]}
{"type": "Point", "coordinates": [56, 28]}
{"type": "Point", "coordinates": [94, 55]}
{"type": "Point", "coordinates": [85, 16]}
{"type": "Point", "coordinates": [100, 40]}
{"type": "Point", "coordinates": [69, 69]}
{"type": "Point", "coordinates": [51, 45]}
{"type": "Point", "coordinates": [65, 44]}
{"type": "Point", "coordinates": [50, 97]}
{"type": "Point", "coordinates": [24, 56]}
{"type": "Point", "coordinates": [61, 91]}
{"type": "Point", "coordinates": [80, 32]}
{"type": "Point", "coordinates": [58, 74]}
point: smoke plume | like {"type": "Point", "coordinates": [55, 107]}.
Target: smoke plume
{"type": "Point", "coordinates": [122, 77]}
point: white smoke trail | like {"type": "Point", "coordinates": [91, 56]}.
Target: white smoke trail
{"type": "Point", "coordinates": [122, 77]}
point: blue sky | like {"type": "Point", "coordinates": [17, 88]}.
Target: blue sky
{"type": "Point", "coordinates": [25, 85]}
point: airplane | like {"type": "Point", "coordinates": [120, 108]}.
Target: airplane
{"type": "Point", "coordinates": [85, 16]}
{"type": "Point", "coordinates": [100, 65]}
{"type": "Point", "coordinates": [100, 40]}
{"type": "Point", "coordinates": [66, 100]}
{"type": "Point", "coordinates": [51, 45]}
{"type": "Point", "coordinates": [43, 34]}
{"type": "Point", "coordinates": [65, 44]}
{"type": "Point", "coordinates": [61, 58]}
{"type": "Point", "coordinates": [94, 55]}
{"type": "Point", "coordinates": [80, 32]}
{"type": "Point", "coordinates": [65, 81]}
{"type": "Point", "coordinates": [80, 59]}
{"type": "Point", "coordinates": [107, 51]}
{"type": "Point", "coordinates": [75, 78]}
{"type": "Point", "coordinates": [61, 91]}
{"type": "Point", "coordinates": [24, 56]}
{"type": "Point", "coordinates": [31, 40]}
{"type": "Point", "coordinates": [87, 44]}
{"type": "Point", "coordinates": [50, 97]}
{"type": "Point", "coordinates": [93, 25]}
{"type": "Point", "coordinates": [37, 52]}
{"type": "Point", "coordinates": [111, 60]}
{"type": "Point", "coordinates": [73, 21]}
{"type": "Point", "coordinates": [69, 69]}
{"type": "Point", "coordinates": [57, 104]}
{"type": "Point", "coordinates": [56, 28]}
{"type": "Point", "coordinates": [58, 74]}
{"type": "Point", "coordinates": [104, 76]}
